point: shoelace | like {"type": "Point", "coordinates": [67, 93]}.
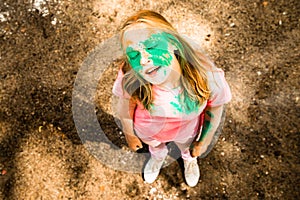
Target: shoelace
{"type": "Point", "coordinates": [156, 166]}
{"type": "Point", "coordinates": [191, 167]}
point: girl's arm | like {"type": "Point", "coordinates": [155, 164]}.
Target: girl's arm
{"type": "Point", "coordinates": [126, 109]}
{"type": "Point", "coordinates": [212, 118]}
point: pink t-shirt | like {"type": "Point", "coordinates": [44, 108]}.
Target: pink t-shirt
{"type": "Point", "coordinates": [169, 119]}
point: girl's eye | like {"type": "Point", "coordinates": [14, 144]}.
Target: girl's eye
{"type": "Point", "coordinates": [152, 46]}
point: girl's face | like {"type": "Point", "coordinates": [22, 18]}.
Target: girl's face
{"type": "Point", "coordinates": [151, 55]}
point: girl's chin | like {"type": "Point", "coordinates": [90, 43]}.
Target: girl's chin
{"type": "Point", "coordinates": [156, 81]}
{"type": "Point", "coordinates": [158, 78]}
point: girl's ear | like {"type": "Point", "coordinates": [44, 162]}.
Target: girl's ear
{"type": "Point", "coordinates": [124, 66]}
{"type": "Point", "coordinates": [177, 54]}
{"type": "Point", "coordinates": [172, 47]}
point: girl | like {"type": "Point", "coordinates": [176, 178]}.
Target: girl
{"type": "Point", "coordinates": [168, 92]}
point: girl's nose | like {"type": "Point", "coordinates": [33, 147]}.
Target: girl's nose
{"type": "Point", "coordinates": [144, 58]}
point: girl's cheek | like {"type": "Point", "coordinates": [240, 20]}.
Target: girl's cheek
{"type": "Point", "coordinates": [135, 64]}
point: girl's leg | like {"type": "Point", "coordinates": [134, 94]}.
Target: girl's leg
{"type": "Point", "coordinates": [184, 147]}
{"type": "Point", "coordinates": [191, 168]}
{"type": "Point", "coordinates": [159, 152]}
{"type": "Point", "coordinates": [157, 149]}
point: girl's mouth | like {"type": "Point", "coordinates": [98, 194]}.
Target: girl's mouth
{"type": "Point", "coordinates": [152, 70]}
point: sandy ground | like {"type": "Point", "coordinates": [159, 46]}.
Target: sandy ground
{"type": "Point", "coordinates": [44, 47]}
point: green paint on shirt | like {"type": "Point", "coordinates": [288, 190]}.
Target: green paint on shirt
{"type": "Point", "coordinates": [190, 105]}
{"type": "Point", "coordinates": [176, 106]}
{"type": "Point", "coordinates": [185, 105]}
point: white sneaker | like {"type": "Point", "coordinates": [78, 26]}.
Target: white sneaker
{"type": "Point", "coordinates": [152, 169]}
{"type": "Point", "coordinates": [191, 172]}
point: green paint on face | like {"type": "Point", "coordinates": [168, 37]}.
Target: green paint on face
{"type": "Point", "coordinates": [134, 58]}
{"type": "Point", "coordinates": [157, 47]}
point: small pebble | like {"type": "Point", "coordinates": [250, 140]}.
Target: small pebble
{"type": "Point", "coordinates": [258, 73]}
{"type": "Point", "coordinates": [153, 190]}
{"type": "Point", "coordinates": [3, 172]}
{"type": "Point", "coordinates": [54, 21]}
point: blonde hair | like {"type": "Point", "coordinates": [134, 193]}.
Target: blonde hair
{"type": "Point", "coordinates": [193, 64]}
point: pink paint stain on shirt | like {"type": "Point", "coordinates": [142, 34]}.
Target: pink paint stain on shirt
{"type": "Point", "coordinates": [163, 122]}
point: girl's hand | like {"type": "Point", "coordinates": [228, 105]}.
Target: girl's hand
{"type": "Point", "coordinates": [197, 148]}
{"type": "Point", "coordinates": [133, 142]}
